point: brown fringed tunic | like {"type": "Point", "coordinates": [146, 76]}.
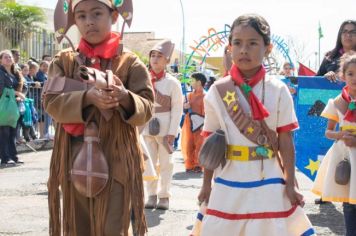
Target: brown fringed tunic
{"type": "Point", "coordinates": [119, 142]}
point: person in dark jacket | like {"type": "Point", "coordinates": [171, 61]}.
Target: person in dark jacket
{"type": "Point", "coordinates": [44, 119]}
{"type": "Point", "coordinates": [9, 78]}
{"type": "Point", "coordinates": [345, 42]}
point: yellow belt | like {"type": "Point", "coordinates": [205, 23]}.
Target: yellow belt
{"type": "Point", "coordinates": [350, 128]}
{"type": "Point", "coordinates": [244, 153]}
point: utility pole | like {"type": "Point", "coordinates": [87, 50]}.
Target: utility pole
{"type": "Point", "coordinates": [183, 36]}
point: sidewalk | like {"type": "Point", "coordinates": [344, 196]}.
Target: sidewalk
{"type": "Point", "coordinates": [23, 201]}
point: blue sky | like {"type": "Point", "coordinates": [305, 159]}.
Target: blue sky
{"type": "Point", "coordinates": [297, 19]}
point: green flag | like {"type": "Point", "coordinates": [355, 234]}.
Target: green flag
{"type": "Point", "coordinates": [320, 32]}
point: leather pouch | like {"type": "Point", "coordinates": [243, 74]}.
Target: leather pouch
{"type": "Point", "coordinates": [90, 171]}
{"type": "Point", "coordinates": [343, 172]}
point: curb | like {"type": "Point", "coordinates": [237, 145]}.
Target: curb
{"type": "Point", "coordinates": [34, 146]}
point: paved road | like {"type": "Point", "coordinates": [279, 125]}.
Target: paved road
{"type": "Point", "coordinates": [23, 202]}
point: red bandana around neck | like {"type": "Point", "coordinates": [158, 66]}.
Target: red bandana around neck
{"type": "Point", "coordinates": [157, 76]}
{"type": "Point", "coordinates": [259, 111]}
{"type": "Point", "coordinates": [105, 50]}
{"type": "Point", "coordinates": [350, 114]}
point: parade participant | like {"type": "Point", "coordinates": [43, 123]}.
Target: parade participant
{"type": "Point", "coordinates": [88, 116]}
{"type": "Point", "coordinates": [254, 192]}
{"type": "Point", "coordinates": [345, 42]}
{"type": "Point", "coordinates": [150, 172]}
{"type": "Point", "coordinates": [329, 184]}
{"type": "Point", "coordinates": [196, 230]}
{"type": "Point", "coordinates": [162, 129]}
{"type": "Point", "coordinates": [192, 141]}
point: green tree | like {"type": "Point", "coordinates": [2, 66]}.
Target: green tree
{"type": "Point", "coordinates": [143, 58]}
{"type": "Point", "coordinates": [18, 20]}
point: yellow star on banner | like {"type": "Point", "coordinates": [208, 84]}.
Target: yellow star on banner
{"type": "Point", "coordinates": [250, 130]}
{"type": "Point", "coordinates": [313, 166]}
{"type": "Point", "coordinates": [253, 154]}
{"type": "Point", "coordinates": [229, 97]}
{"type": "Point", "coordinates": [235, 108]}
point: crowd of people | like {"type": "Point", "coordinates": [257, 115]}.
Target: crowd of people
{"type": "Point", "coordinates": [26, 80]}
{"type": "Point", "coordinates": [237, 130]}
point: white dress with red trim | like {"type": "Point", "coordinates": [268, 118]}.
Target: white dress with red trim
{"type": "Point", "coordinates": [324, 184]}
{"type": "Point", "coordinates": [241, 203]}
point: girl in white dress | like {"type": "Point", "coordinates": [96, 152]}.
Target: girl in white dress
{"type": "Point", "coordinates": [251, 194]}
{"type": "Point", "coordinates": [342, 111]}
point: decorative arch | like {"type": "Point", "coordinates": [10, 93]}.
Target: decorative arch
{"type": "Point", "coordinates": [217, 39]}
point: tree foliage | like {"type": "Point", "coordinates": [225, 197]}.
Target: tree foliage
{"type": "Point", "coordinates": [26, 16]}
{"type": "Point", "coordinates": [18, 20]}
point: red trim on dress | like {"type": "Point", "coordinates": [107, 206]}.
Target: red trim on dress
{"type": "Point", "coordinates": [263, 215]}
{"type": "Point", "coordinates": [288, 128]}
{"type": "Point", "coordinates": [205, 134]}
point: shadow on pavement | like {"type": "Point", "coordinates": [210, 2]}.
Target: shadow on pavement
{"type": "Point", "coordinates": [10, 165]}
{"type": "Point", "coordinates": [329, 217]}
{"type": "Point", "coordinates": [185, 176]}
{"type": "Point", "coordinates": [42, 193]}
{"type": "Point", "coordinates": [153, 217]}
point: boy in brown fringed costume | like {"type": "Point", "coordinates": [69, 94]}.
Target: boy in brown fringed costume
{"type": "Point", "coordinates": [129, 100]}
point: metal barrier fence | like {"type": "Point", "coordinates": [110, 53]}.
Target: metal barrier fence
{"type": "Point", "coordinates": [31, 42]}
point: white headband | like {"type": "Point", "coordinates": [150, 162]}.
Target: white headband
{"type": "Point", "coordinates": [106, 2]}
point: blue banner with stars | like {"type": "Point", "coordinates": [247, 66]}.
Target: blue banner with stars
{"type": "Point", "coordinates": [311, 94]}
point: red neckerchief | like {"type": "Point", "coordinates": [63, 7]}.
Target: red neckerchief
{"type": "Point", "coordinates": [105, 50]}
{"type": "Point", "coordinates": [259, 111]}
{"type": "Point", "coordinates": [157, 76]}
{"type": "Point", "coordinates": [350, 114]}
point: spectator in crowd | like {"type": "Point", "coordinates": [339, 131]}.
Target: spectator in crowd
{"type": "Point", "coordinates": [46, 57]}
{"type": "Point", "coordinates": [12, 79]}
{"type": "Point", "coordinates": [17, 56]}
{"type": "Point", "coordinates": [175, 66]}
{"type": "Point", "coordinates": [345, 42]}
{"type": "Point", "coordinates": [28, 130]}
{"type": "Point", "coordinates": [21, 104]}
{"type": "Point", "coordinates": [44, 119]}
{"type": "Point", "coordinates": [287, 69]}
{"type": "Point", "coordinates": [42, 74]}
{"type": "Point", "coordinates": [210, 82]}
{"type": "Point", "coordinates": [33, 70]}
{"type": "Point", "coordinates": [35, 93]}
